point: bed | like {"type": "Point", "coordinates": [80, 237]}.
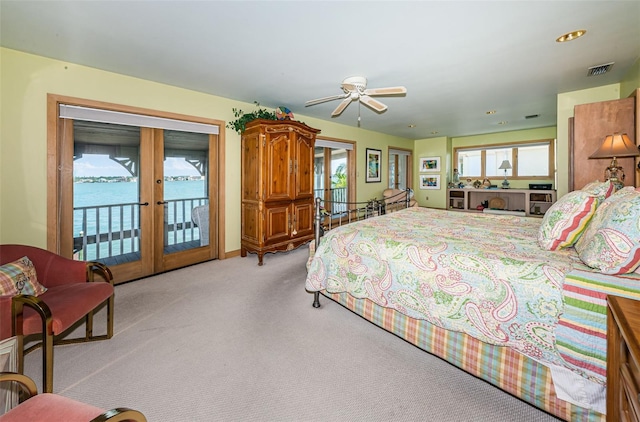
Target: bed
{"type": "Point", "coordinates": [517, 301]}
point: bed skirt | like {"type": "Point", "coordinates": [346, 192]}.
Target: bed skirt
{"type": "Point", "coordinates": [503, 367]}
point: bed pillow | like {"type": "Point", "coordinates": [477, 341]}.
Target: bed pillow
{"type": "Point", "coordinates": [611, 243]}
{"type": "Point", "coordinates": [19, 277]}
{"type": "Point", "coordinates": [602, 190]}
{"type": "Point", "coordinates": [566, 220]}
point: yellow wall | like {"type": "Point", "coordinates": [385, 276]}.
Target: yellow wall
{"type": "Point", "coordinates": [631, 81]}
{"type": "Point", "coordinates": [432, 147]}
{"type": "Point", "coordinates": [25, 81]}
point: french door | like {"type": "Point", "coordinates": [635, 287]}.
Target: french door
{"type": "Point", "coordinates": [334, 173]}
{"type": "Point", "coordinates": [399, 168]}
{"type": "Point", "coordinates": [142, 200]}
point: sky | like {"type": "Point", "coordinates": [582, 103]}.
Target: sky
{"type": "Point", "coordinates": [94, 165]}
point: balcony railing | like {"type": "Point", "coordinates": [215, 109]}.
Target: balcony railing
{"type": "Point", "coordinates": [337, 200]}
{"type": "Point", "coordinates": [107, 231]}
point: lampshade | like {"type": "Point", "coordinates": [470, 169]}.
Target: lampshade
{"type": "Point", "coordinates": [505, 165]}
{"type": "Point", "coordinates": [616, 145]}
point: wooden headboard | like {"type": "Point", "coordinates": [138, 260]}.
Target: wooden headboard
{"type": "Point", "coordinates": [587, 129]}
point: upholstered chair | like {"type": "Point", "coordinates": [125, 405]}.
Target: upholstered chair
{"type": "Point", "coordinates": [49, 407]}
{"type": "Point", "coordinates": [74, 290]}
{"type": "Point", "coordinates": [395, 199]}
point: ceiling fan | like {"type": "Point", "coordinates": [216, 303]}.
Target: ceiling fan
{"type": "Point", "coordinates": [355, 88]}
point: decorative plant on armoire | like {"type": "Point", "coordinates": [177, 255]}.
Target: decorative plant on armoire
{"type": "Point", "coordinates": [243, 118]}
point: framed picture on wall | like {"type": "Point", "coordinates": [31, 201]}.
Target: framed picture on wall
{"type": "Point", "coordinates": [374, 161]}
{"type": "Point", "coordinates": [429, 164]}
{"type": "Point", "coordinates": [429, 181]}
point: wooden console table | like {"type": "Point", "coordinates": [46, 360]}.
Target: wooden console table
{"type": "Point", "coordinates": [524, 202]}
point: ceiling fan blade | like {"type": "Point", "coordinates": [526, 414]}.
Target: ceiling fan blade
{"type": "Point", "coordinates": [374, 104]}
{"type": "Point", "coordinates": [392, 90]}
{"type": "Point", "coordinates": [341, 107]}
{"type": "Point", "coordinates": [324, 100]}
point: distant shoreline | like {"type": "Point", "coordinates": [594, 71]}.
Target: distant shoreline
{"type": "Point", "coordinates": [127, 179]}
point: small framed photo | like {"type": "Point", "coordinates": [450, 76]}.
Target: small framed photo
{"type": "Point", "coordinates": [429, 181]}
{"type": "Point", "coordinates": [429, 164]}
{"type": "Point", "coordinates": [374, 161]}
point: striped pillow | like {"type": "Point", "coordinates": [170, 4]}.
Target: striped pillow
{"type": "Point", "coordinates": [19, 278]}
{"type": "Point", "coordinates": [565, 220]}
{"type": "Point", "coordinates": [611, 243]}
{"type": "Point", "coordinates": [602, 190]}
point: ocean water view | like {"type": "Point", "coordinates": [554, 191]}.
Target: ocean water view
{"type": "Point", "coordinates": [115, 206]}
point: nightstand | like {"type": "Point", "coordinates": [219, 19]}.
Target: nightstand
{"type": "Point", "coordinates": [623, 364]}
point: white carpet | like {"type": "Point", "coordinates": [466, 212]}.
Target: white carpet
{"type": "Point", "coordinates": [232, 341]}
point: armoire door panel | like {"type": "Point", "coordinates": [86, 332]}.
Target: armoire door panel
{"type": "Point", "coordinates": [250, 222]}
{"type": "Point", "coordinates": [279, 167]}
{"type": "Point", "coordinates": [277, 223]}
{"type": "Point", "coordinates": [250, 166]}
{"type": "Point", "coordinates": [303, 218]}
{"type": "Point", "coordinates": [304, 163]}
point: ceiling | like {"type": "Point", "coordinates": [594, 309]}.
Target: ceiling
{"type": "Point", "coordinates": [457, 60]}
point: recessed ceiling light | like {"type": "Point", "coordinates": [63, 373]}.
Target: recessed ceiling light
{"type": "Point", "coordinates": [570, 36]}
{"type": "Point", "coordinates": [491, 112]}
{"type": "Point", "coordinates": [503, 122]}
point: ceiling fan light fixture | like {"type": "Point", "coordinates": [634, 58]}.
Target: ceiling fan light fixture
{"type": "Point", "coordinates": [570, 36]}
{"type": "Point", "coordinates": [355, 89]}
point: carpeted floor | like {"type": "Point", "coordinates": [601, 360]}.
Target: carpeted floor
{"type": "Point", "coordinates": [232, 341]}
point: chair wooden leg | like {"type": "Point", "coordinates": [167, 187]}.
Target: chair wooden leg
{"type": "Point", "coordinates": [110, 308]}
{"type": "Point", "coordinates": [47, 361]}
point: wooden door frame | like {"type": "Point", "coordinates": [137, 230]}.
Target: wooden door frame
{"type": "Point", "coordinates": [60, 167]}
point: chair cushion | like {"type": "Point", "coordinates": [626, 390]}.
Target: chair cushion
{"type": "Point", "coordinates": [19, 277]}
{"type": "Point", "coordinates": [51, 407]}
{"type": "Point", "coordinates": [68, 304]}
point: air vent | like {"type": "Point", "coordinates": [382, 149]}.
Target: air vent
{"type": "Point", "coordinates": [600, 69]}
{"type": "Point", "coordinates": [532, 116]}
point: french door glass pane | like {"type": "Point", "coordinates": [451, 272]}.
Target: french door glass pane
{"type": "Point", "coordinates": [106, 224]}
{"type": "Point", "coordinates": [339, 171]}
{"type": "Point", "coordinates": [318, 172]}
{"type": "Point", "coordinates": [186, 199]}
{"type": "Point", "coordinates": [402, 172]}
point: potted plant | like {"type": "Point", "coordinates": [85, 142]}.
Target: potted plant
{"type": "Point", "coordinates": [243, 118]}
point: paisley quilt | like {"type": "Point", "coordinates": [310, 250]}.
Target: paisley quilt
{"type": "Point", "coordinates": [480, 274]}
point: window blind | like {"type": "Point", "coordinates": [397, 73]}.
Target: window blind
{"type": "Point", "coordinates": [323, 143]}
{"type": "Point", "coordinates": [131, 119]}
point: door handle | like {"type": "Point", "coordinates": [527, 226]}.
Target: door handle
{"type": "Point", "coordinates": [144, 204]}
{"type": "Point", "coordinates": [161, 202]}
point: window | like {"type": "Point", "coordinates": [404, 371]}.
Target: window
{"type": "Point", "coordinates": [529, 160]}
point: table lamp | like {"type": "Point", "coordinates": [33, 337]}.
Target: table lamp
{"type": "Point", "coordinates": [614, 146]}
{"type": "Point", "coordinates": [506, 165]}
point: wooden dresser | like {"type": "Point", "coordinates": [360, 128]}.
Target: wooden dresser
{"type": "Point", "coordinates": [623, 359]}
{"type": "Point", "coordinates": [277, 186]}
